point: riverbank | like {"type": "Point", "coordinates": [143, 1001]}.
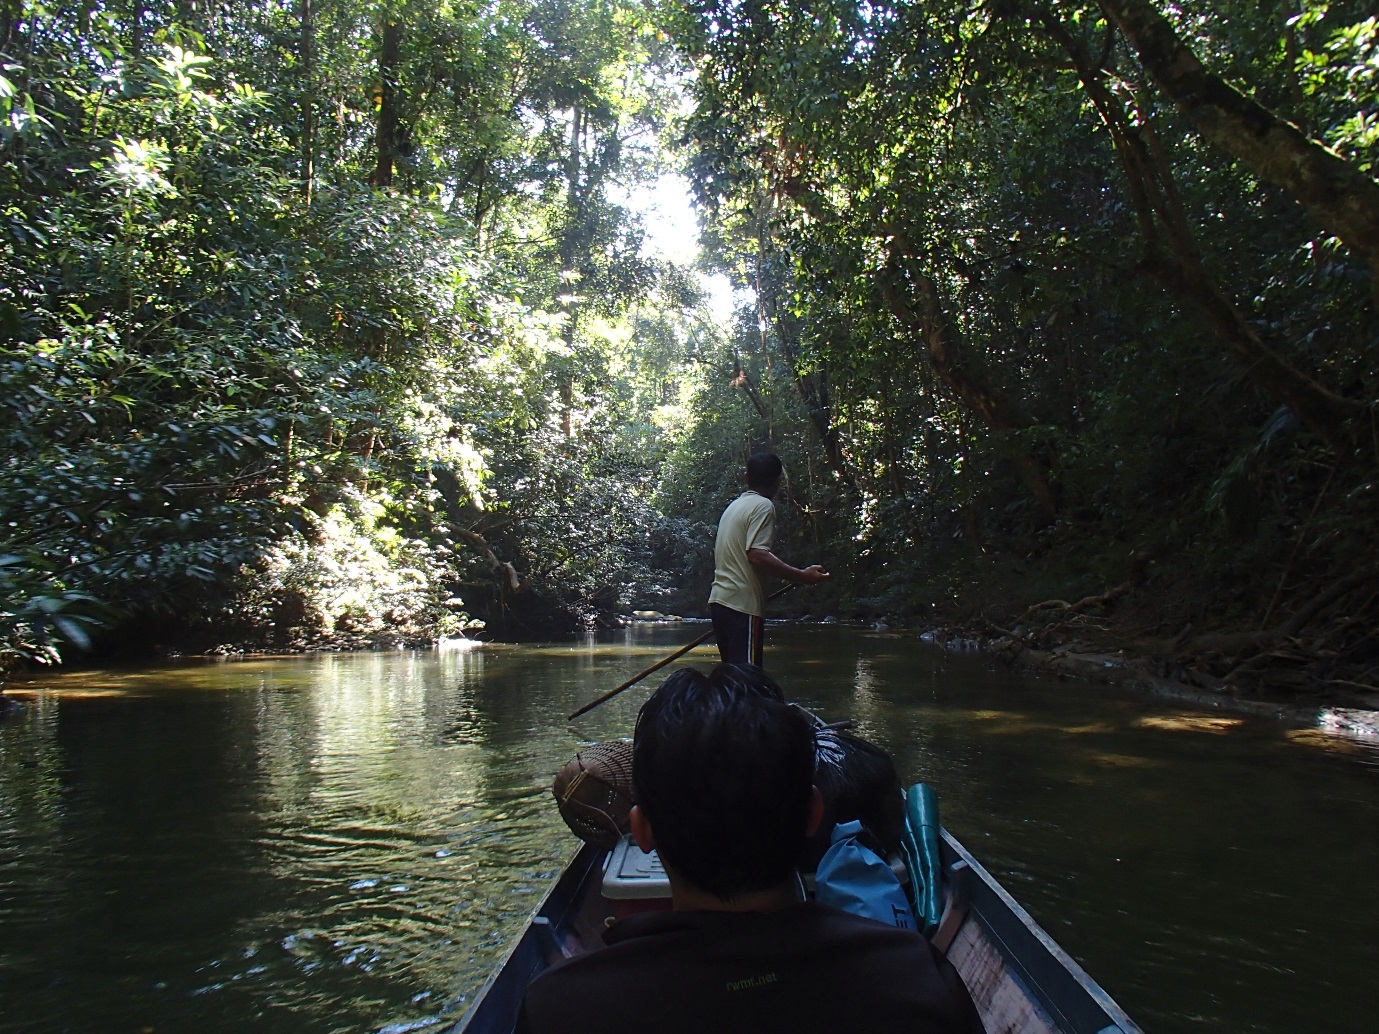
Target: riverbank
{"type": "Point", "coordinates": [1176, 626]}
{"type": "Point", "coordinates": [1352, 714]}
{"type": "Point", "coordinates": [1345, 711]}
{"type": "Point", "coordinates": [1099, 638]}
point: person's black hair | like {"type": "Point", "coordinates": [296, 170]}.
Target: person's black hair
{"type": "Point", "coordinates": [723, 769]}
{"type": "Point", "coordinates": [857, 781]}
{"type": "Point", "coordinates": [763, 470]}
{"type": "Point", "coordinates": [748, 680]}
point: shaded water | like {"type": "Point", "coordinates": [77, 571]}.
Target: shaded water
{"type": "Point", "coordinates": [347, 843]}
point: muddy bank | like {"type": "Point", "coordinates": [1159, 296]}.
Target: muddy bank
{"type": "Point", "coordinates": [1350, 712]}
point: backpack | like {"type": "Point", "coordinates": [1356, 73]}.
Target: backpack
{"type": "Point", "coordinates": [854, 878]}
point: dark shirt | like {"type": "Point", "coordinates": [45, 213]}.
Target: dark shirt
{"type": "Point", "coordinates": [800, 969]}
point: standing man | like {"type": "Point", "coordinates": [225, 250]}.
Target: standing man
{"type": "Point", "coordinates": [742, 558]}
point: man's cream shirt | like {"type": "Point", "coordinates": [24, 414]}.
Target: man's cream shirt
{"type": "Point", "coordinates": [749, 522]}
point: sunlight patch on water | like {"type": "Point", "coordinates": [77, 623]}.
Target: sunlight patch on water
{"type": "Point", "coordinates": [1090, 729]}
{"type": "Point", "coordinates": [1327, 740]}
{"type": "Point", "coordinates": [1012, 723]}
{"type": "Point", "coordinates": [64, 693]}
{"type": "Point", "coordinates": [1109, 760]}
{"type": "Point", "coordinates": [1213, 724]}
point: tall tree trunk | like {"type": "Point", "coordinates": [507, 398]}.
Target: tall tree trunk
{"type": "Point", "coordinates": [1336, 193]}
{"type": "Point", "coordinates": [1179, 266]}
{"type": "Point", "coordinates": [1291, 53]}
{"type": "Point", "coordinates": [480, 179]}
{"type": "Point", "coordinates": [915, 302]}
{"type": "Point", "coordinates": [896, 475]}
{"type": "Point", "coordinates": [16, 42]}
{"type": "Point", "coordinates": [341, 130]}
{"type": "Point", "coordinates": [571, 252]}
{"type": "Point", "coordinates": [308, 101]}
{"type": "Point", "coordinates": [742, 379]}
{"type": "Point", "coordinates": [572, 165]}
{"type": "Point", "coordinates": [136, 29]}
{"type": "Point", "coordinates": [812, 385]}
{"type": "Point", "coordinates": [385, 137]}
{"type": "Point", "coordinates": [817, 395]}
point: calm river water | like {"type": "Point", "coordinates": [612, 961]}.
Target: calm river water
{"type": "Point", "coordinates": [347, 843]}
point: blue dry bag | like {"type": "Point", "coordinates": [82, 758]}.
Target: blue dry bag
{"type": "Point", "coordinates": [853, 877]}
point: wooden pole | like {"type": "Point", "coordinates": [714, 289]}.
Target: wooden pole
{"type": "Point", "coordinates": [662, 663]}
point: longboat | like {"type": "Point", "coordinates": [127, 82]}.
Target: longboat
{"type": "Point", "coordinates": [1020, 979]}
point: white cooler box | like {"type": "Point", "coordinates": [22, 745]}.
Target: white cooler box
{"type": "Point", "coordinates": [634, 881]}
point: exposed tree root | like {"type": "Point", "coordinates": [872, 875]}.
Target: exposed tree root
{"type": "Point", "coordinates": [1244, 644]}
{"type": "Point", "coordinates": [1102, 601]}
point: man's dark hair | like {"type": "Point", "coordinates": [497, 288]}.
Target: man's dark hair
{"type": "Point", "coordinates": [763, 470]}
{"type": "Point", "coordinates": [857, 781]}
{"type": "Point", "coordinates": [724, 771]}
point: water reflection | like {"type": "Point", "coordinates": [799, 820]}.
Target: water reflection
{"type": "Point", "coordinates": [347, 843]}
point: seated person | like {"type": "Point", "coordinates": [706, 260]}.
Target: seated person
{"type": "Point", "coordinates": [858, 782]}
{"type": "Point", "coordinates": [723, 784]}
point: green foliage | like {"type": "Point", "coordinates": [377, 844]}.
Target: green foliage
{"type": "Point", "coordinates": [235, 396]}
{"type": "Point", "coordinates": [347, 578]}
{"type": "Point", "coordinates": [38, 618]}
{"type": "Point", "coordinates": [333, 327]}
{"type": "Point", "coordinates": [855, 157]}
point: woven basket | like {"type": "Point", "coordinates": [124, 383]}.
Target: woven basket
{"type": "Point", "coordinates": [594, 792]}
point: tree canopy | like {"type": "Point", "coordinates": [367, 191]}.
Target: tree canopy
{"type": "Point", "coordinates": [329, 322]}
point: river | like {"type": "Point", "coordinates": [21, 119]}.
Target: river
{"type": "Point", "coordinates": [347, 843]}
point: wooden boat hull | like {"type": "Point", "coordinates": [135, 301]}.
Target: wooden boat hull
{"type": "Point", "coordinates": [1021, 980]}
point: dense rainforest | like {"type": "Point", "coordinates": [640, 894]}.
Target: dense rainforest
{"type": "Point", "coordinates": [332, 323]}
